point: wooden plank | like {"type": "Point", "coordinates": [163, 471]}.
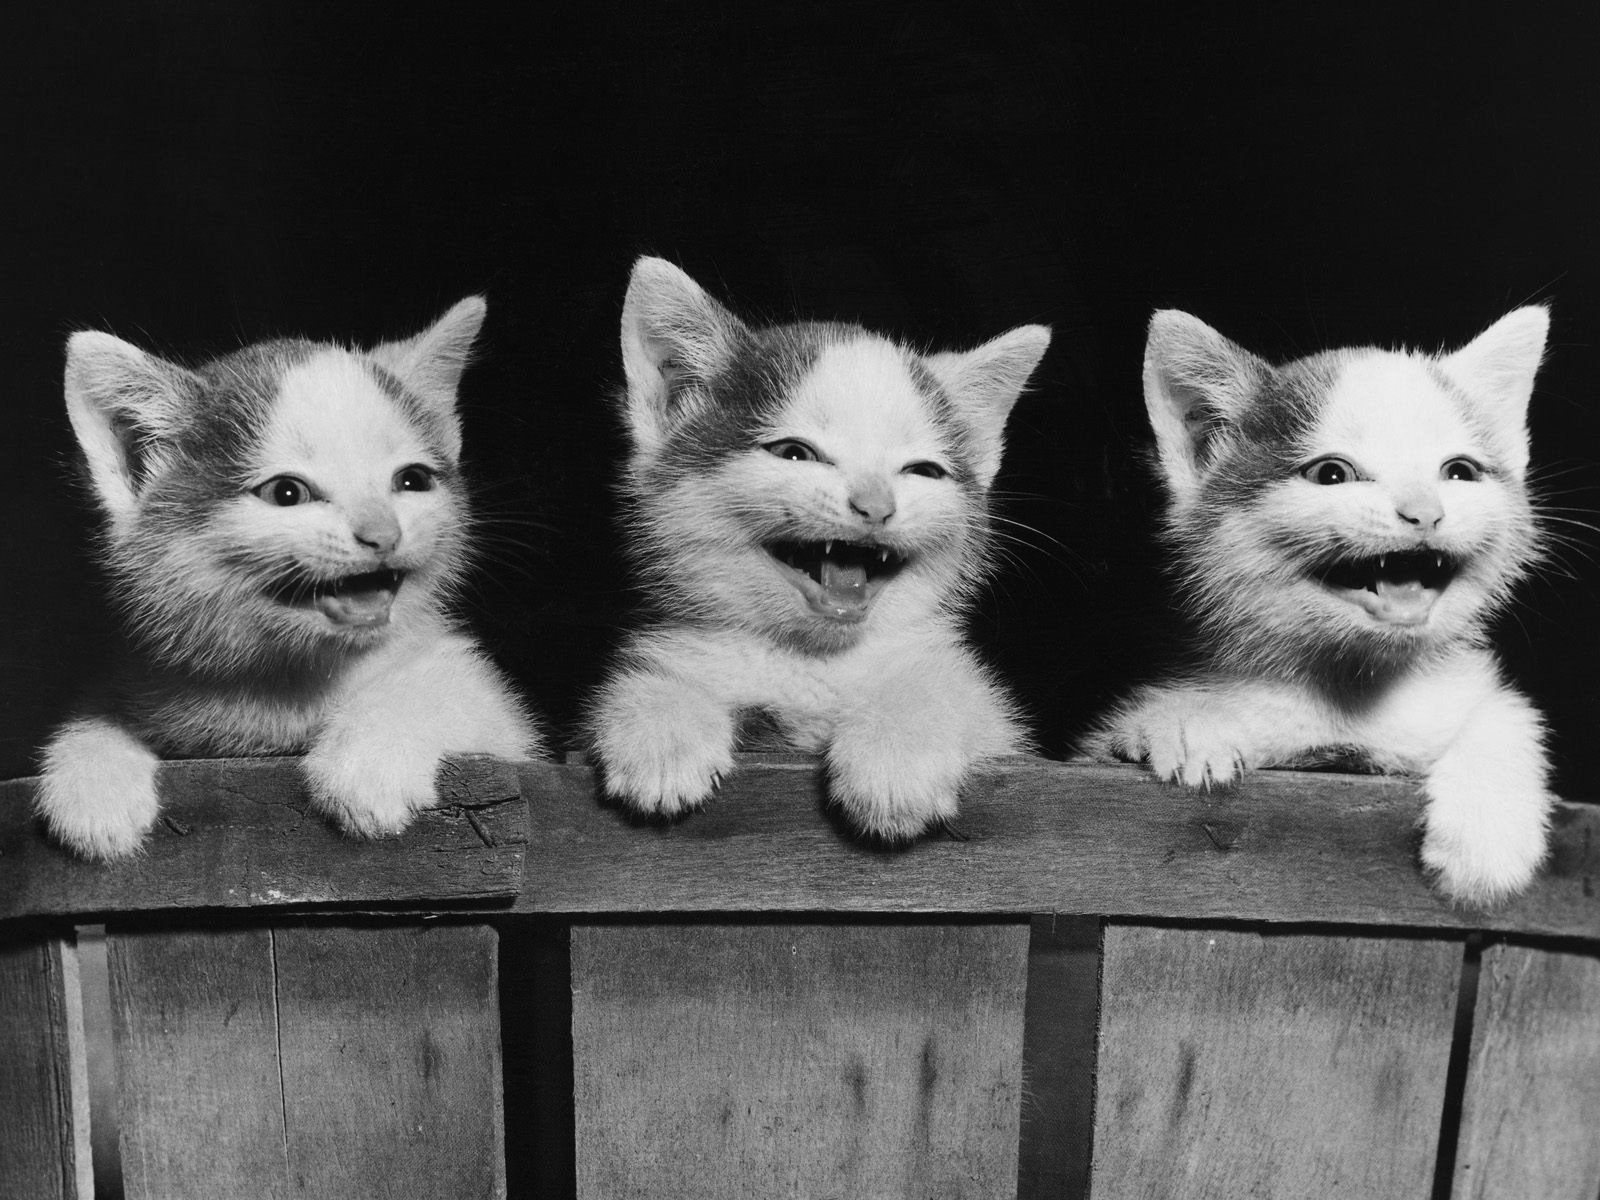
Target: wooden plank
{"type": "Point", "coordinates": [194, 1022]}
{"type": "Point", "coordinates": [44, 1087]}
{"type": "Point", "coordinates": [1058, 1057]}
{"type": "Point", "coordinates": [337, 1062]}
{"type": "Point", "coordinates": [239, 833]}
{"type": "Point", "coordinates": [390, 1039]}
{"type": "Point", "coordinates": [797, 1060]}
{"type": "Point", "coordinates": [1241, 1064]}
{"type": "Point", "coordinates": [1040, 836]}
{"type": "Point", "coordinates": [1530, 1118]}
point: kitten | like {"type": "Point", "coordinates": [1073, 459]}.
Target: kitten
{"type": "Point", "coordinates": [1345, 526]}
{"type": "Point", "coordinates": [808, 504]}
{"type": "Point", "coordinates": [283, 529]}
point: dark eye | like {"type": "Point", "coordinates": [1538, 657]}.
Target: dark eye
{"type": "Point", "coordinates": [1463, 469]}
{"type": "Point", "coordinates": [1328, 471]}
{"type": "Point", "coordinates": [285, 491]}
{"type": "Point", "coordinates": [793, 450]}
{"type": "Point", "coordinates": [928, 470]}
{"type": "Point", "coordinates": [415, 478]}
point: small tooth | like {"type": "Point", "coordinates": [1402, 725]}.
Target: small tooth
{"type": "Point", "coordinates": [1382, 561]}
{"type": "Point", "coordinates": [827, 546]}
{"type": "Point", "coordinates": [883, 554]}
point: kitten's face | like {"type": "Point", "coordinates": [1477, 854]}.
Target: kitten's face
{"type": "Point", "coordinates": [841, 499]}
{"type": "Point", "coordinates": [1385, 518]}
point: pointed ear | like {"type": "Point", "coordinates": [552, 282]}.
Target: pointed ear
{"type": "Point", "coordinates": [122, 402]}
{"type": "Point", "coordinates": [431, 364]}
{"type": "Point", "coordinates": [674, 335]}
{"type": "Point", "coordinates": [1195, 383]}
{"type": "Point", "coordinates": [1496, 370]}
{"type": "Point", "coordinates": [985, 383]}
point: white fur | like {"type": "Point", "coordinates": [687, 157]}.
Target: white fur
{"type": "Point", "coordinates": [219, 663]}
{"type": "Point", "coordinates": [900, 707]}
{"type": "Point", "coordinates": [1424, 699]}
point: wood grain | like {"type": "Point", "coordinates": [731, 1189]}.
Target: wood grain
{"type": "Point", "coordinates": [797, 1060]}
{"type": "Point", "coordinates": [239, 833]}
{"type": "Point", "coordinates": [338, 1062]}
{"type": "Point", "coordinates": [1530, 1118]}
{"type": "Point", "coordinates": [195, 1031]}
{"type": "Point", "coordinates": [1039, 836]}
{"type": "Point", "coordinates": [44, 1087]}
{"type": "Point", "coordinates": [1237, 1064]}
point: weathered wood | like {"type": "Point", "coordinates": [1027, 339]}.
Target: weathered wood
{"type": "Point", "coordinates": [309, 1061]}
{"type": "Point", "coordinates": [1530, 1118]}
{"type": "Point", "coordinates": [1240, 1064]}
{"type": "Point", "coordinates": [239, 832]}
{"type": "Point", "coordinates": [44, 1087]}
{"type": "Point", "coordinates": [1058, 1056]}
{"type": "Point", "coordinates": [1040, 836]}
{"type": "Point", "coordinates": [797, 1060]}
{"type": "Point", "coordinates": [195, 1030]}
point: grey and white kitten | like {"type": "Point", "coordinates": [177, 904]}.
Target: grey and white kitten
{"type": "Point", "coordinates": [283, 530]}
{"type": "Point", "coordinates": [808, 505]}
{"type": "Point", "coordinates": [1345, 526]}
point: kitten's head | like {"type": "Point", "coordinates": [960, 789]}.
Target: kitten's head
{"type": "Point", "coordinates": [810, 482]}
{"type": "Point", "coordinates": [1357, 507]}
{"type": "Point", "coordinates": [285, 502]}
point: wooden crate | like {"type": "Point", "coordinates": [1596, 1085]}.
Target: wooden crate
{"type": "Point", "coordinates": [1094, 986]}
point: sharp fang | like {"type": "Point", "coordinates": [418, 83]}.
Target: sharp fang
{"type": "Point", "coordinates": [883, 554]}
{"type": "Point", "coordinates": [1438, 561]}
{"type": "Point", "coordinates": [1383, 560]}
{"type": "Point", "coordinates": [827, 546]}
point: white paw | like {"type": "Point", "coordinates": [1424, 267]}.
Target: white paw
{"type": "Point", "coordinates": [1486, 852]}
{"type": "Point", "coordinates": [894, 788]}
{"type": "Point", "coordinates": [1186, 737]}
{"type": "Point", "coordinates": [662, 748]}
{"type": "Point", "coordinates": [370, 789]}
{"type": "Point", "coordinates": [97, 793]}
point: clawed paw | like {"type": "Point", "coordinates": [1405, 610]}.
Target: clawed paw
{"type": "Point", "coordinates": [1185, 739]}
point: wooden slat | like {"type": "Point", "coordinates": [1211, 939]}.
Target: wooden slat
{"type": "Point", "coordinates": [238, 832]}
{"type": "Point", "coordinates": [338, 1062]}
{"type": "Point", "coordinates": [194, 1022]}
{"type": "Point", "coordinates": [1040, 836]}
{"type": "Point", "coordinates": [1530, 1119]}
{"type": "Point", "coordinates": [1237, 1064]}
{"type": "Point", "coordinates": [1058, 1057]}
{"type": "Point", "coordinates": [797, 1060]}
{"type": "Point", "coordinates": [44, 1089]}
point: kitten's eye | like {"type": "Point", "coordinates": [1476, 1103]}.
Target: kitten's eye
{"type": "Point", "coordinates": [1328, 471]}
{"type": "Point", "coordinates": [415, 478]}
{"type": "Point", "coordinates": [1462, 469]}
{"type": "Point", "coordinates": [793, 450]}
{"type": "Point", "coordinates": [928, 470]}
{"type": "Point", "coordinates": [285, 491]}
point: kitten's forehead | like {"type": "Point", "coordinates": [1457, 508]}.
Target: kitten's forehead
{"type": "Point", "coordinates": [1387, 406]}
{"type": "Point", "coordinates": [331, 411]}
{"type": "Point", "coordinates": [859, 393]}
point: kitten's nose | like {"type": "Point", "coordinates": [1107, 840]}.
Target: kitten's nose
{"type": "Point", "coordinates": [1420, 508]}
{"type": "Point", "coordinates": [376, 530]}
{"type": "Point", "coordinates": [872, 502]}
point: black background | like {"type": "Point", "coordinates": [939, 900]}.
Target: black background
{"type": "Point", "coordinates": [195, 176]}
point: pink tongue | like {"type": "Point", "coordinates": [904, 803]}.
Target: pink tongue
{"type": "Point", "coordinates": [1401, 602]}
{"type": "Point", "coordinates": [844, 589]}
{"type": "Point", "coordinates": [367, 608]}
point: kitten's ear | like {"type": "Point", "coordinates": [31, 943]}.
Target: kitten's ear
{"type": "Point", "coordinates": [122, 402]}
{"type": "Point", "coordinates": [1195, 382]}
{"type": "Point", "coordinates": [674, 335]}
{"type": "Point", "coordinates": [985, 383]}
{"type": "Point", "coordinates": [1496, 370]}
{"type": "Point", "coordinates": [431, 364]}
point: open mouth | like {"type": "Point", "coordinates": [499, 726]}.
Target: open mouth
{"type": "Point", "coordinates": [839, 579]}
{"type": "Point", "coordinates": [355, 601]}
{"type": "Point", "coordinates": [1398, 588]}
